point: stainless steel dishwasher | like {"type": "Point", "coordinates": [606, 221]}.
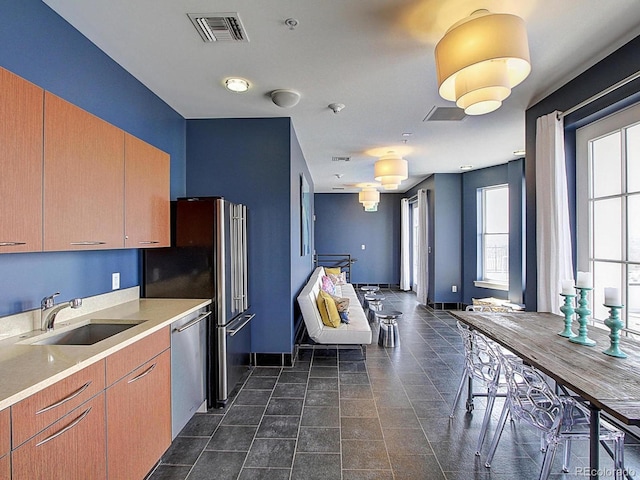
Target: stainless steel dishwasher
{"type": "Point", "coordinates": [188, 368]}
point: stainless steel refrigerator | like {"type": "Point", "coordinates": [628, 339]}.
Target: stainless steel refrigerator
{"type": "Point", "coordinates": [208, 259]}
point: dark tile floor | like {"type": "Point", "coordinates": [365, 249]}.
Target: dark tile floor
{"type": "Point", "coordinates": [336, 416]}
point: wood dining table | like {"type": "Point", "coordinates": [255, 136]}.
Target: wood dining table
{"type": "Point", "coordinates": [607, 383]}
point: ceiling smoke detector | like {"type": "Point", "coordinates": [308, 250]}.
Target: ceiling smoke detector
{"type": "Point", "coordinates": [336, 107]}
{"type": "Point", "coordinates": [219, 27]}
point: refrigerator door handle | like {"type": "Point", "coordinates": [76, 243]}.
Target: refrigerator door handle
{"type": "Point", "coordinates": [192, 323]}
{"type": "Point", "coordinates": [233, 329]}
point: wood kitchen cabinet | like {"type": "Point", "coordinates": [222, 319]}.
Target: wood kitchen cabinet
{"type": "Point", "coordinates": [83, 179]}
{"type": "Point", "coordinates": [73, 448]}
{"type": "Point", "coordinates": [41, 409]}
{"type": "Point", "coordinates": [59, 432]}
{"type": "Point", "coordinates": [147, 196]}
{"type": "Point", "coordinates": [21, 113]}
{"type": "Point", "coordinates": [138, 406]}
{"type": "Point", "coordinates": [5, 444]}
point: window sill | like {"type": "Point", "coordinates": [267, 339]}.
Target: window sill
{"type": "Point", "coordinates": [492, 285]}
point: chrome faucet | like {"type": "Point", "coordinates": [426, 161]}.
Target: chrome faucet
{"type": "Point", "coordinates": [49, 311]}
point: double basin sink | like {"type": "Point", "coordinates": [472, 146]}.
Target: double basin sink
{"type": "Point", "coordinates": [86, 334]}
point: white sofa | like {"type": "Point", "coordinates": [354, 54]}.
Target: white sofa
{"type": "Point", "coordinates": [356, 332]}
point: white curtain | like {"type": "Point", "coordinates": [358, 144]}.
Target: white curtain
{"type": "Point", "coordinates": [553, 235]}
{"type": "Point", "coordinates": [405, 245]}
{"type": "Point", "coordinates": [423, 246]}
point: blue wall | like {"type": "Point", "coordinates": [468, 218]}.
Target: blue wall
{"type": "Point", "coordinates": [257, 162]}
{"type": "Point", "coordinates": [38, 45]}
{"type": "Point", "coordinates": [614, 68]}
{"type": "Point", "coordinates": [342, 226]}
{"type": "Point", "coordinates": [512, 174]}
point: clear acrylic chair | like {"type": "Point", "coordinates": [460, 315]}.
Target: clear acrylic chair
{"type": "Point", "coordinates": [483, 364]}
{"type": "Point", "coordinates": [559, 419]}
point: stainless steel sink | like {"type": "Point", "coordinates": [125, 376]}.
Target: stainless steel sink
{"type": "Point", "coordinates": [86, 334]}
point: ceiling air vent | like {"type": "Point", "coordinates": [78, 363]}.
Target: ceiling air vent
{"type": "Point", "coordinates": [445, 114]}
{"type": "Point", "coordinates": [337, 188]}
{"type": "Point", "coordinates": [219, 27]}
{"type": "Point", "coordinates": [340, 159]}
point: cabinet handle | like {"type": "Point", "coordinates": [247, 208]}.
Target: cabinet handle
{"type": "Point", "coordinates": [143, 374]}
{"type": "Point", "coordinates": [148, 242]}
{"type": "Point", "coordinates": [67, 428]}
{"type": "Point", "coordinates": [11, 244]}
{"type": "Point", "coordinates": [87, 243]}
{"type": "Point", "coordinates": [65, 399]}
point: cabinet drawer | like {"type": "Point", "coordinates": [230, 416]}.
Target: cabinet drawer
{"type": "Point", "coordinates": [129, 358]}
{"type": "Point", "coordinates": [41, 409]}
{"type": "Point", "coordinates": [73, 448]}
{"type": "Point", "coordinates": [5, 432]}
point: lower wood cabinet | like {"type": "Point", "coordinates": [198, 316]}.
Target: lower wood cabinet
{"type": "Point", "coordinates": [5, 444]}
{"type": "Point", "coordinates": [5, 467]}
{"type": "Point", "coordinates": [76, 429]}
{"type": "Point", "coordinates": [139, 419]}
{"type": "Point", "coordinates": [73, 448]}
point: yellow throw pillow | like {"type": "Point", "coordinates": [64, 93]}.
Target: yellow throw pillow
{"type": "Point", "coordinates": [328, 310]}
{"type": "Point", "coordinates": [332, 270]}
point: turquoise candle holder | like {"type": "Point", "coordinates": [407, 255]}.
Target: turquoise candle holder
{"type": "Point", "coordinates": [583, 315]}
{"type": "Point", "coordinates": [568, 311]}
{"type": "Point", "coordinates": [615, 324]}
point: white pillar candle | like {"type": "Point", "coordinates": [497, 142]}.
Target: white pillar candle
{"type": "Point", "coordinates": [612, 296]}
{"type": "Point", "coordinates": [567, 287]}
{"type": "Point", "coordinates": [584, 280]}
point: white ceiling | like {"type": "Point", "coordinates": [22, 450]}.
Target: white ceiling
{"type": "Point", "coordinates": [375, 56]}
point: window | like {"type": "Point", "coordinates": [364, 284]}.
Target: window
{"type": "Point", "coordinates": [608, 164]}
{"type": "Point", "coordinates": [493, 237]}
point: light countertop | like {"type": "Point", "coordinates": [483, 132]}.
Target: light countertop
{"type": "Point", "coordinates": [26, 369]}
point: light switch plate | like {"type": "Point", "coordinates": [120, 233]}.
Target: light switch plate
{"type": "Point", "coordinates": [115, 281]}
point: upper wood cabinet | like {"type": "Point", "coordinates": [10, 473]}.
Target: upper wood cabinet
{"type": "Point", "coordinates": [147, 206]}
{"type": "Point", "coordinates": [21, 160]}
{"type": "Point", "coordinates": [83, 179]}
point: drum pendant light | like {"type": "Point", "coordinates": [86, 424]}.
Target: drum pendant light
{"type": "Point", "coordinates": [391, 170]}
{"type": "Point", "coordinates": [480, 59]}
{"type": "Point", "coordinates": [369, 197]}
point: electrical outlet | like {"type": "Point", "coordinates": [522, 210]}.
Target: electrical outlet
{"type": "Point", "coordinates": [362, 246]}
{"type": "Point", "coordinates": [454, 288]}
{"type": "Point", "coordinates": [115, 281]}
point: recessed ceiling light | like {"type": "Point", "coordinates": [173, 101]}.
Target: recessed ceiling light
{"type": "Point", "coordinates": [237, 85]}
{"type": "Point", "coordinates": [466, 167]}
{"type": "Point", "coordinates": [519, 153]}
{"type": "Point", "coordinates": [407, 134]}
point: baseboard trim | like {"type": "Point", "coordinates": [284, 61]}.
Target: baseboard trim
{"type": "Point", "coordinates": [272, 359]}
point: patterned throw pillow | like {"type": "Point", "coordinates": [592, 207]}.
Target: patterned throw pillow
{"type": "Point", "coordinates": [342, 303]}
{"type": "Point", "coordinates": [338, 279]}
{"type": "Point", "coordinates": [328, 286]}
